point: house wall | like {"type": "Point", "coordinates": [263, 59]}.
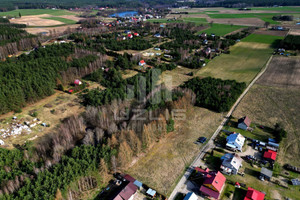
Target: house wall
{"type": "Point", "coordinates": [242, 126]}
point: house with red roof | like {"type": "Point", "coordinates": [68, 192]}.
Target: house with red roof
{"type": "Point", "coordinates": [130, 36]}
{"type": "Point", "coordinates": [136, 34]}
{"type": "Point", "coordinates": [270, 155]}
{"type": "Point", "coordinates": [213, 184]}
{"type": "Point", "coordinates": [142, 63]}
{"type": "Point", "coordinates": [244, 123]}
{"type": "Point", "coordinates": [253, 194]}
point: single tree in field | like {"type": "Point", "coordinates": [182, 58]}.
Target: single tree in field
{"type": "Point", "coordinates": [211, 23]}
{"type": "Point", "coordinates": [267, 24]}
{"type": "Point", "coordinates": [20, 15]}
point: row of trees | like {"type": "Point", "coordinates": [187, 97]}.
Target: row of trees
{"type": "Point", "coordinates": [215, 94]}
{"type": "Point", "coordinates": [291, 42]}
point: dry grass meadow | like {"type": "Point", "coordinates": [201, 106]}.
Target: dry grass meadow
{"type": "Point", "coordinates": [276, 98]}
{"type": "Point", "coordinates": [268, 105]}
{"type": "Point", "coordinates": [161, 167]}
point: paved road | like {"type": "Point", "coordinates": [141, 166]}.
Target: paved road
{"type": "Point", "coordinates": [182, 184]}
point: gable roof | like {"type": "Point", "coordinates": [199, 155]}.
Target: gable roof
{"type": "Point", "coordinates": [270, 155]}
{"type": "Point", "coordinates": [232, 159]}
{"type": "Point", "coordinates": [216, 179]}
{"type": "Point", "coordinates": [245, 120]}
{"type": "Point", "coordinates": [209, 192]}
{"type": "Point", "coordinates": [236, 139]}
{"type": "Point", "coordinates": [142, 61]}
{"type": "Point", "coordinates": [253, 194]}
{"type": "Point", "coordinates": [128, 191]}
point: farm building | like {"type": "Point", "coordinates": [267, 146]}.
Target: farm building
{"type": "Point", "coordinates": [191, 196]}
{"type": "Point", "coordinates": [253, 194]}
{"type": "Point", "coordinates": [213, 184]}
{"type": "Point", "coordinates": [270, 155]}
{"type": "Point", "coordinates": [265, 174]}
{"type": "Point", "coordinates": [77, 82]}
{"type": "Point", "coordinates": [231, 163]}
{"type": "Point", "coordinates": [235, 142]}
{"type": "Point", "coordinates": [142, 63]}
{"type": "Point", "coordinates": [244, 123]}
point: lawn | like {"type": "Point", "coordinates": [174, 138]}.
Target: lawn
{"type": "Point", "coordinates": [265, 39]}
{"type": "Point", "coordinates": [26, 12]}
{"type": "Point", "coordinates": [257, 133]}
{"type": "Point", "coordinates": [60, 19]}
{"type": "Point", "coordinates": [221, 29]}
{"type": "Point", "coordinates": [242, 64]}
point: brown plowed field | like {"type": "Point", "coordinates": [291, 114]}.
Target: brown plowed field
{"type": "Point", "coordinates": [282, 72]}
{"type": "Point", "coordinates": [270, 32]}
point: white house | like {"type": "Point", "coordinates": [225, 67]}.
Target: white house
{"type": "Point", "coordinates": [1, 142]}
{"type": "Point", "coordinates": [231, 163]}
{"type": "Point", "coordinates": [191, 196]}
{"type": "Point", "coordinates": [235, 142]}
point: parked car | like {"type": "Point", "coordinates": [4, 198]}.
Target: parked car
{"type": "Point", "coordinates": [202, 139]}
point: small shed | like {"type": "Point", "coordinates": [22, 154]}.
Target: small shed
{"type": "Point", "coordinates": [244, 123]}
{"type": "Point", "coordinates": [138, 184]}
{"type": "Point", "coordinates": [151, 192]}
{"type": "Point", "coordinates": [77, 82]}
{"type": "Point", "coordinates": [265, 174]}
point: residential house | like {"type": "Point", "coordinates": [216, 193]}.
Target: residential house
{"type": "Point", "coordinates": [125, 190]}
{"type": "Point", "coordinates": [142, 63]}
{"type": "Point", "coordinates": [157, 35]}
{"type": "Point", "coordinates": [130, 36]}
{"type": "Point", "coordinates": [253, 194]}
{"type": "Point", "coordinates": [213, 184]}
{"type": "Point", "coordinates": [191, 196]}
{"type": "Point", "coordinates": [77, 82]}
{"type": "Point", "coordinates": [270, 155]}
{"type": "Point", "coordinates": [244, 123]}
{"type": "Point", "coordinates": [235, 142]}
{"type": "Point", "coordinates": [231, 163]}
{"type": "Point", "coordinates": [265, 174]}
{"type": "Point", "coordinates": [2, 142]}
{"type": "Point", "coordinates": [136, 34]}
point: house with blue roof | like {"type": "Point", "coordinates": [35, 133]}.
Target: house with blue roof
{"type": "Point", "coordinates": [235, 142]}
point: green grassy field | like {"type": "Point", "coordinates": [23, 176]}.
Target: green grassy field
{"type": "Point", "coordinates": [221, 29]}
{"type": "Point", "coordinates": [60, 19]}
{"type": "Point", "coordinates": [267, 17]}
{"type": "Point", "coordinates": [242, 64]}
{"type": "Point", "coordinates": [163, 20]}
{"type": "Point", "coordinates": [26, 12]}
{"type": "Point", "coordinates": [195, 20]}
{"type": "Point", "coordinates": [285, 8]}
{"type": "Point", "coordinates": [258, 38]}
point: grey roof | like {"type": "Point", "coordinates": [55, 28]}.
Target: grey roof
{"type": "Point", "coordinates": [296, 181]}
{"type": "Point", "coordinates": [231, 159]}
{"type": "Point", "coordinates": [266, 172]}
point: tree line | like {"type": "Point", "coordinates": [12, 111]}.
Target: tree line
{"type": "Point", "coordinates": [215, 94]}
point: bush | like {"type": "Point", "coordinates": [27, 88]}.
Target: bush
{"type": "Point", "coordinates": [170, 126]}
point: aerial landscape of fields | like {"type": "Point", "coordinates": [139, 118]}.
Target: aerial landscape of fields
{"type": "Point", "coordinates": [140, 100]}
